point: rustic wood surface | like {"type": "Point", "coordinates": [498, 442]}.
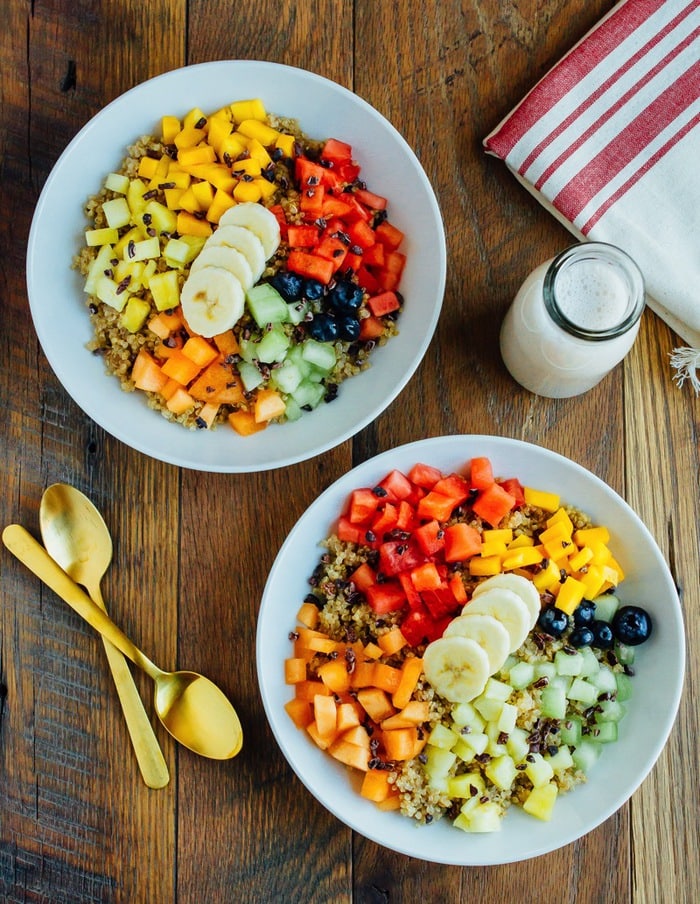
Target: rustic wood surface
{"type": "Point", "coordinates": [77, 823]}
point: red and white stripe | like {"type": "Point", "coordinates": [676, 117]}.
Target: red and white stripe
{"type": "Point", "coordinates": [609, 111]}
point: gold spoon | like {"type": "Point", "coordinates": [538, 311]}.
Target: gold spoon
{"type": "Point", "coordinates": [192, 708]}
{"type": "Point", "coordinates": [76, 536]}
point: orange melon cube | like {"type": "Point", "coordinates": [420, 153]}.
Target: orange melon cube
{"type": "Point", "coordinates": [350, 754]}
{"type": "Point", "coordinates": [299, 711]}
{"type": "Point", "coordinates": [325, 715]}
{"type": "Point", "coordinates": [376, 703]}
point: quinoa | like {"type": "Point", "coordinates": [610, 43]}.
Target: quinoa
{"type": "Point", "coordinates": [345, 615]}
{"type": "Point", "coordinates": [119, 347]}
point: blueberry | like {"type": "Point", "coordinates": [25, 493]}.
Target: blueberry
{"type": "Point", "coordinates": [581, 637]}
{"type": "Point", "coordinates": [313, 289]}
{"type": "Point", "coordinates": [348, 327]}
{"type": "Point", "coordinates": [602, 634]}
{"type": "Point", "coordinates": [584, 613]}
{"type": "Point", "coordinates": [346, 296]}
{"type": "Point", "coordinates": [323, 328]}
{"type": "Point", "coordinates": [288, 284]}
{"type": "Point", "coordinates": [553, 621]}
{"type": "Point", "coordinates": [632, 625]}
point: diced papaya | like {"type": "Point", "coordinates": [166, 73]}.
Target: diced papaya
{"type": "Point", "coordinates": [299, 711]}
{"type": "Point", "coordinates": [350, 754]}
{"type": "Point", "coordinates": [400, 743]}
{"type": "Point", "coordinates": [294, 670]}
{"type": "Point", "coordinates": [411, 670]}
{"type": "Point", "coordinates": [147, 374]}
{"type": "Point", "coordinates": [376, 703]}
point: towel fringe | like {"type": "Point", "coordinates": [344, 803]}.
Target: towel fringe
{"type": "Point", "coordinates": [686, 363]}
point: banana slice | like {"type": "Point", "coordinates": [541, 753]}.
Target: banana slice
{"type": "Point", "coordinates": [212, 300]}
{"type": "Point", "coordinates": [259, 220]}
{"type": "Point", "coordinates": [506, 607]}
{"type": "Point", "coordinates": [242, 240]}
{"type": "Point", "coordinates": [525, 589]}
{"type": "Point", "coordinates": [456, 667]}
{"type": "Point", "coordinates": [228, 259]}
{"type": "Point", "coordinates": [487, 631]}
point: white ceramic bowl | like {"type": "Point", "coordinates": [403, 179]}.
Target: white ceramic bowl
{"type": "Point", "coordinates": [324, 109]}
{"type": "Point", "coordinates": [660, 662]}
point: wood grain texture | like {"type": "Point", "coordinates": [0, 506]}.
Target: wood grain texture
{"type": "Point", "coordinates": [192, 550]}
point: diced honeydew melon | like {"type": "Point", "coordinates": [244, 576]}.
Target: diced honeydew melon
{"type": "Point", "coordinates": [606, 605]}
{"type": "Point", "coordinates": [538, 770]}
{"type": "Point", "coordinates": [582, 691]}
{"type": "Point", "coordinates": [609, 711]}
{"type": "Point", "coordinates": [624, 653]}
{"type": "Point", "coordinates": [590, 662]}
{"type": "Point", "coordinates": [585, 754]}
{"type": "Point", "coordinates": [266, 305]}
{"type": "Point", "coordinates": [553, 702]}
{"type": "Point", "coordinates": [250, 375]}
{"type": "Point", "coordinates": [624, 686]}
{"type": "Point", "coordinates": [570, 731]}
{"type": "Point", "coordinates": [117, 182]}
{"type": "Point", "coordinates": [273, 346]}
{"type": "Point", "coordinates": [292, 412]}
{"type": "Point", "coordinates": [568, 663]}
{"type": "Point", "coordinates": [605, 732]}
{"type": "Point", "coordinates": [521, 675]}
{"type": "Point", "coordinates": [297, 311]}
{"type": "Point", "coordinates": [320, 354]}
{"type": "Point", "coordinates": [604, 680]}
{"type": "Point", "coordinates": [309, 394]}
{"type": "Point", "coordinates": [286, 377]}
{"type": "Point", "coordinates": [545, 670]}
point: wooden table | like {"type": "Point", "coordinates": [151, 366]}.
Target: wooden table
{"type": "Point", "coordinates": [77, 823]}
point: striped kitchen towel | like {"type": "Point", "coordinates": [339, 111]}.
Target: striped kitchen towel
{"type": "Point", "coordinates": [609, 142]}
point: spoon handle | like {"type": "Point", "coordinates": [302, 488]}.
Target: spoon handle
{"type": "Point", "coordinates": [30, 552]}
{"type": "Point", "coordinates": [149, 756]}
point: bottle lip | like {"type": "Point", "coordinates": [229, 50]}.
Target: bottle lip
{"type": "Point", "coordinates": [595, 251]}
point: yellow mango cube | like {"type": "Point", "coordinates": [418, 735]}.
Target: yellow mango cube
{"type": "Point", "coordinates": [541, 499]}
{"type": "Point", "coordinates": [169, 128]}
{"type": "Point", "coordinates": [286, 144]}
{"type": "Point", "coordinates": [584, 535]}
{"type": "Point", "coordinates": [570, 595]}
{"type": "Point", "coordinates": [248, 109]}
{"type": "Point", "coordinates": [504, 535]}
{"type": "Point", "coordinates": [204, 193]}
{"type": "Point", "coordinates": [520, 558]}
{"type": "Point", "coordinates": [195, 119]}
{"type": "Point", "coordinates": [188, 137]}
{"type": "Point", "coordinates": [188, 224]}
{"type": "Point", "coordinates": [483, 567]}
{"type": "Point", "coordinates": [221, 203]}
{"type": "Point", "coordinates": [260, 131]}
{"type": "Point", "coordinates": [201, 153]}
{"type": "Point", "coordinates": [247, 191]}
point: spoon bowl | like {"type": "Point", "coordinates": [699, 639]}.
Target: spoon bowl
{"type": "Point", "coordinates": [192, 708]}
{"type": "Point", "coordinates": [76, 536]}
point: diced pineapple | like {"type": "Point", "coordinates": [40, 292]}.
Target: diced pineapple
{"type": "Point", "coordinates": [165, 289]}
{"type": "Point", "coordinates": [102, 262]}
{"type": "Point", "coordinates": [134, 314]}
{"type": "Point", "coordinates": [466, 785]}
{"type": "Point", "coordinates": [437, 766]}
{"type": "Point", "coordinates": [116, 212]}
{"type": "Point", "coordinates": [540, 801]}
{"type": "Point", "coordinates": [143, 250]}
{"type": "Point", "coordinates": [134, 196]}
{"type": "Point", "coordinates": [103, 236]}
{"type": "Point", "coordinates": [501, 771]}
{"type": "Point", "coordinates": [441, 736]}
{"type": "Point", "coordinates": [538, 770]}
{"type": "Point", "coordinates": [518, 745]}
{"type": "Point", "coordinates": [108, 291]}
{"type": "Point", "coordinates": [117, 182]}
{"type": "Point", "coordinates": [161, 219]}
{"type": "Point", "coordinates": [484, 817]}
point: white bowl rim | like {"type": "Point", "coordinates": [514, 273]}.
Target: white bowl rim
{"type": "Point", "coordinates": [480, 854]}
{"type": "Point", "coordinates": [171, 447]}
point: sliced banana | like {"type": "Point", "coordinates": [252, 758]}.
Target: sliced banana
{"type": "Point", "coordinates": [525, 589]}
{"type": "Point", "coordinates": [505, 606]}
{"type": "Point", "coordinates": [259, 220]}
{"type": "Point", "coordinates": [212, 300]}
{"type": "Point", "coordinates": [456, 667]}
{"type": "Point", "coordinates": [228, 259]}
{"type": "Point", "coordinates": [242, 240]}
{"type": "Point", "coordinates": [487, 631]}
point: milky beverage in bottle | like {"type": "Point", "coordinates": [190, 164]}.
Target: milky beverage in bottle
{"type": "Point", "coordinates": [574, 318]}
